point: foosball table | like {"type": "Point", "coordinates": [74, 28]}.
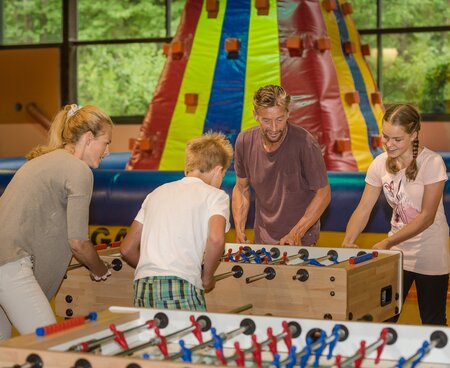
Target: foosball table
{"type": "Point", "coordinates": [299, 282]}
{"type": "Point", "coordinates": [138, 338]}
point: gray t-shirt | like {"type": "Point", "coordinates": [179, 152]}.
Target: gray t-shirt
{"type": "Point", "coordinates": [46, 204]}
{"type": "Point", "coordinates": [285, 181]}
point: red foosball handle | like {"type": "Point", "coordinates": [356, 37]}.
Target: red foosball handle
{"type": "Point", "coordinates": [64, 325]}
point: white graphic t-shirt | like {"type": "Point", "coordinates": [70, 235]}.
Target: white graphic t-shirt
{"type": "Point", "coordinates": [428, 252]}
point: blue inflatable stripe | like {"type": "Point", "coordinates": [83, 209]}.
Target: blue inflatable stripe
{"type": "Point", "coordinates": [118, 160]}
{"type": "Point", "coordinates": [227, 96]}
{"type": "Point", "coordinates": [366, 110]}
{"type": "Point", "coordinates": [115, 161]}
{"type": "Point", "coordinates": [118, 196]}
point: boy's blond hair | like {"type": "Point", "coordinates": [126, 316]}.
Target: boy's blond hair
{"type": "Point", "coordinates": [208, 151]}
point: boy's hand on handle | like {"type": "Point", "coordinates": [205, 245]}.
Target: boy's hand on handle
{"type": "Point", "coordinates": [208, 283]}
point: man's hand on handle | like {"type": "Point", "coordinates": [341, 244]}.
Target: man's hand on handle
{"type": "Point", "coordinates": [242, 239]}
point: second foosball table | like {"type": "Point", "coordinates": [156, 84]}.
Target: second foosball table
{"type": "Point", "coordinates": [303, 282]}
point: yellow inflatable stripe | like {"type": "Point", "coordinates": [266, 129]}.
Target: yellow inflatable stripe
{"type": "Point", "coordinates": [197, 79]}
{"type": "Point", "coordinates": [364, 68]}
{"type": "Point", "coordinates": [357, 125]}
{"type": "Point", "coordinates": [263, 58]}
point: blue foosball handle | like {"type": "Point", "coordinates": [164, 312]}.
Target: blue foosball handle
{"type": "Point", "coordinates": [362, 258]}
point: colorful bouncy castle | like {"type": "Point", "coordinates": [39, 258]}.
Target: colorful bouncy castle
{"type": "Point", "coordinates": [225, 50]}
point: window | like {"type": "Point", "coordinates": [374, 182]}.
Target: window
{"type": "Point", "coordinates": [414, 65]}
{"type": "Point", "coordinates": [112, 49]}
{"type": "Point", "coordinates": [122, 83]}
{"type": "Point", "coordinates": [111, 52]}
{"type": "Point", "coordinates": [127, 37]}
{"type": "Point", "coordinates": [30, 22]}
{"type": "Point", "coordinates": [113, 20]}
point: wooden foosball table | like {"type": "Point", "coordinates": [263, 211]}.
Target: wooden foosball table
{"type": "Point", "coordinates": [140, 338]}
{"type": "Point", "coordinates": [299, 282]}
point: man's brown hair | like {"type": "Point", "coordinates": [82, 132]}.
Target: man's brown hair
{"type": "Point", "coordinates": [270, 96]}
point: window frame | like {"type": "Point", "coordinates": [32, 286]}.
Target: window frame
{"type": "Point", "coordinates": [379, 31]}
{"type": "Point", "coordinates": [68, 51]}
{"type": "Point", "coordinates": [69, 44]}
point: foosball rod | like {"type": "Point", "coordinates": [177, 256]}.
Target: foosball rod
{"type": "Point", "coordinates": [230, 252]}
{"type": "Point", "coordinates": [240, 309]}
{"type": "Point", "coordinates": [328, 257]}
{"type": "Point", "coordinates": [388, 336]}
{"type": "Point", "coordinates": [203, 321]}
{"type": "Point", "coordinates": [247, 327]}
{"type": "Point", "coordinates": [302, 253]}
{"type": "Point", "coordinates": [160, 320]}
{"type": "Point", "coordinates": [116, 265]}
{"type": "Point", "coordinates": [268, 274]}
{"type": "Point", "coordinates": [236, 272]}
{"type": "Point", "coordinates": [97, 248]}
{"type": "Point", "coordinates": [257, 255]}
{"type": "Point", "coordinates": [340, 335]}
{"type": "Point", "coordinates": [292, 329]}
{"type": "Point", "coordinates": [65, 325]}
{"type": "Point", "coordinates": [32, 361]}
{"type": "Point", "coordinates": [438, 340]}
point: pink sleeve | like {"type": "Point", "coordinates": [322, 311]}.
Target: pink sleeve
{"type": "Point", "coordinates": [434, 170]}
{"type": "Point", "coordinates": [374, 172]}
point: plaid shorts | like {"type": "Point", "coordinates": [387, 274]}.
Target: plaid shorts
{"type": "Point", "coordinates": [168, 292]}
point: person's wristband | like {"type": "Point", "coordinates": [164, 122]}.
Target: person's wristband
{"type": "Point", "coordinates": [100, 278]}
{"type": "Point", "coordinates": [103, 277]}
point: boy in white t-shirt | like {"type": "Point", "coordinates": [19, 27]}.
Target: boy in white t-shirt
{"type": "Point", "coordinates": [412, 179]}
{"type": "Point", "coordinates": [178, 236]}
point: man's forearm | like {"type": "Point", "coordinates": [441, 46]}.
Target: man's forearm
{"type": "Point", "coordinates": [240, 207]}
{"type": "Point", "coordinates": [314, 210]}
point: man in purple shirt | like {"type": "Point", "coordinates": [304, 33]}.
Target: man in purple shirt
{"type": "Point", "coordinates": [284, 165]}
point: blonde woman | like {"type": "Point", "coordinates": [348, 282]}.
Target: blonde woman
{"type": "Point", "coordinates": [44, 214]}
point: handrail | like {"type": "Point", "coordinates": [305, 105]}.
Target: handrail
{"type": "Point", "coordinates": [37, 114]}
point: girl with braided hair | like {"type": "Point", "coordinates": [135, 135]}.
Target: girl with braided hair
{"type": "Point", "coordinates": [412, 178]}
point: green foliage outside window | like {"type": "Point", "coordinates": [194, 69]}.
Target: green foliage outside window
{"type": "Point", "coordinates": [413, 64]}
{"type": "Point", "coordinates": [106, 19]}
{"type": "Point", "coordinates": [31, 21]}
{"type": "Point", "coordinates": [411, 13]}
{"type": "Point", "coordinates": [119, 78]}
{"type": "Point", "coordinates": [407, 61]}
{"type": "Point", "coordinates": [436, 100]}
